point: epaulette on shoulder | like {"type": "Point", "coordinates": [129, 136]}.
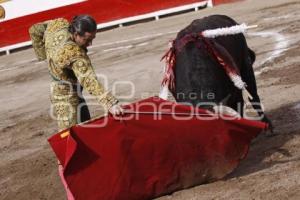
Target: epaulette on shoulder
{"type": "Point", "coordinates": [68, 53]}
{"type": "Point", "coordinates": [57, 24]}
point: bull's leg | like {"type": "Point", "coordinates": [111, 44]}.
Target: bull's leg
{"type": "Point", "coordinates": [257, 106]}
{"type": "Point", "coordinates": [248, 76]}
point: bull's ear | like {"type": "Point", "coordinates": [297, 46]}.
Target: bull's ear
{"type": "Point", "coordinates": [251, 55]}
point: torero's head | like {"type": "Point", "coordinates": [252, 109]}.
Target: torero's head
{"type": "Point", "coordinates": [83, 29]}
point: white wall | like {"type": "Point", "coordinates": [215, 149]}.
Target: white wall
{"type": "Point", "coordinates": [19, 8]}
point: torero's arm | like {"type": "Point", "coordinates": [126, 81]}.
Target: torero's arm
{"type": "Point", "coordinates": [36, 33]}
{"type": "Point", "coordinates": [86, 76]}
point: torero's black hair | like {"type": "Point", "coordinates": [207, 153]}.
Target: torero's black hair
{"type": "Point", "coordinates": [81, 24]}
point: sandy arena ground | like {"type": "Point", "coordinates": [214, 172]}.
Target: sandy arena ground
{"type": "Point", "coordinates": [132, 53]}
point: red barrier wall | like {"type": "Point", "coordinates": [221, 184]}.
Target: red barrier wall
{"type": "Point", "coordinates": [16, 30]}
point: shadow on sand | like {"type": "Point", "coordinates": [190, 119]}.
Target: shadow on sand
{"type": "Point", "coordinates": [264, 149]}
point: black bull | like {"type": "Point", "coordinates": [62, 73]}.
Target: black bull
{"type": "Point", "coordinates": [199, 78]}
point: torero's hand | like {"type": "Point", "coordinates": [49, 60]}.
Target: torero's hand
{"type": "Point", "coordinates": [116, 110]}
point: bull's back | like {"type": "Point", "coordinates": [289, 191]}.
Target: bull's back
{"type": "Point", "coordinates": [199, 77]}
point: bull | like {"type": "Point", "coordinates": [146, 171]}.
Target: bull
{"type": "Point", "coordinates": [198, 68]}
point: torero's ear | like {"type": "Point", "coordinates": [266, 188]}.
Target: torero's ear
{"type": "Point", "coordinates": [75, 34]}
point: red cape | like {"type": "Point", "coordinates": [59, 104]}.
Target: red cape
{"type": "Point", "coordinates": [151, 155]}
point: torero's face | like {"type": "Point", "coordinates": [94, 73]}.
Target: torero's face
{"type": "Point", "coordinates": [85, 40]}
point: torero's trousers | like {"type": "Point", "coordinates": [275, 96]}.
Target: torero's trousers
{"type": "Point", "coordinates": [68, 105]}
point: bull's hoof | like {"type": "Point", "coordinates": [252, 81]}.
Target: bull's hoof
{"type": "Point", "coordinates": [271, 133]}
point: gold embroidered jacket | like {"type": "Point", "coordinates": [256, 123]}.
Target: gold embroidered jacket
{"type": "Point", "coordinates": [67, 61]}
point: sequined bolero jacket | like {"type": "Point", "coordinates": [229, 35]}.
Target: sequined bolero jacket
{"type": "Point", "coordinates": [67, 61]}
